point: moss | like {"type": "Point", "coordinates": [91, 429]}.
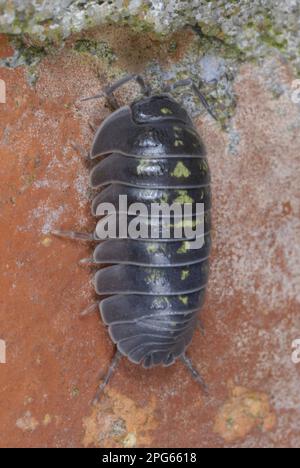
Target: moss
{"type": "Point", "coordinates": [139, 25]}
{"type": "Point", "coordinates": [28, 55]}
{"type": "Point", "coordinates": [101, 49]}
{"type": "Point", "coordinates": [172, 47]}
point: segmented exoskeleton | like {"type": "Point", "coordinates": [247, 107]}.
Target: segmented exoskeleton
{"type": "Point", "coordinates": [153, 288]}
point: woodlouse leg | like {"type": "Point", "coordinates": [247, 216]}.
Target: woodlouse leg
{"type": "Point", "coordinates": [113, 365]}
{"type": "Point", "coordinates": [195, 89]}
{"type": "Point", "coordinates": [201, 327]}
{"type": "Point", "coordinates": [90, 309]}
{"type": "Point", "coordinates": [195, 374]}
{"type": "Point", "coordinates": [87, 262]}
{"type": "Point", "coordinates": [80, 150]}
{"type": "Point", "coordinates": [92, 126]}
{"type": "Point", "coordinates": [82, 236]}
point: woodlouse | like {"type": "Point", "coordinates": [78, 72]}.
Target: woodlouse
{"type": "Point", "coordinates": [153, 289]}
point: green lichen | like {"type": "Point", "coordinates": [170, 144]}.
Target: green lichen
{"type": "Point", "coordinates": [28, 56]}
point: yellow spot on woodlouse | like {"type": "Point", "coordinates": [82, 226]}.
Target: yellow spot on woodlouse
{"type": "Point", "coordinates": [185, 247]}
{"type": "Point", "coordinates": [187, 223]}
{"type": "Point", "coordinates": [184, 299]}
{"type": "Point", "coordinates": [166, 111]}
{"type": "Point", "coordinates": [181, 170]}
{"type": "Point", "coordinates": [183, 197]}
{"type": "Point", "coordinates": [185, 274]}
{"type": "Point", "coordinates": [152, 248]}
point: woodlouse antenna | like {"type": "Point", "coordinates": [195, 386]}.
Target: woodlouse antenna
{"type": "Point", "coordinates": [203, 101]}
{"type": "Point", "coordinates": [108, 91]}
{"type": "Point", "coordinates": [81, 151]}
{"type": "Point", "coordinates": [201, 327]}
{"type": "Point", "coordinates": [96, 96]}
{"type": "Point", "coordinates": [83, 236]}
